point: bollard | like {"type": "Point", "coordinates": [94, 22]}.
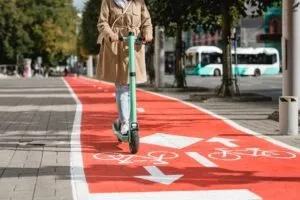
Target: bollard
{"type": "Point", "coordinates": [288, 115]}
{"type": "Point", "coordinates": [27, 68]}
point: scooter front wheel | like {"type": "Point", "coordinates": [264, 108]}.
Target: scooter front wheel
{"type": "Point", "coordinates": [134, 142]}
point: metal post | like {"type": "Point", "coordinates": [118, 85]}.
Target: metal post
{"type": "Point", "coordinates": [291, 48]}
{"type": "Point", "coordinates": [159, 57]}
{"type": "Point", "coordinates": [90, 66]}
{"type": "Point", "coordinates": [27, 67]}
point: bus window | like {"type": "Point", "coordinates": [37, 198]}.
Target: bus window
{"type": "Point", "coordinates": [271, 59]}
{"type": "Point", "coordinates": [211, 58]}
{"type": "Point", "coordinates": [197, 58]}
{"type": "Point", "coordinates": [204, 59]}
{"type": "Point", "coordinates": [261, 58]}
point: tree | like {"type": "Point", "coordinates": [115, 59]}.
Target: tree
{"type": "Point", "coordinates": [14, 23]}
{"type": "Point", "coordinates": [176, 16]}
{"type": "Point", "coordinates": [56, 29]}
{"type": "Point", "coordinates": [32, 28]}
{"type": "Point", "coordinates": [89, 26]}
{"type": "Point", "coordinates": [230, 11]}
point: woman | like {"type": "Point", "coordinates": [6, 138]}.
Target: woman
{"type": "Point", "coordinates": [118, 18]}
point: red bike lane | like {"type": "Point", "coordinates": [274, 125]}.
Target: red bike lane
{"type": "Point", "coordinates": [185, 153]}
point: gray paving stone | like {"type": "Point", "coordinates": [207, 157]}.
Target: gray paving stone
{"type": "Point", "coordinates": [35, 114]}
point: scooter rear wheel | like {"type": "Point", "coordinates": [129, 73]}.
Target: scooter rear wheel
{"type": "Point", "coordinates": [134, 142]}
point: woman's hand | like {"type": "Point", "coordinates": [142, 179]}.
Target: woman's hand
{"type": "Point", "coordinates": [113, 37]}
{"type": "Point", "coordinates": [148, 38]}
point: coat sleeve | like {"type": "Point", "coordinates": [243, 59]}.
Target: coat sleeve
{"type": "Point", "coordinates": [103, 22]}
{"type": "Point", "coordinates": [146, 25]}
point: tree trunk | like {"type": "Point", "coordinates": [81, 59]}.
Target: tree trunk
{"type": "Point", "coordinates": [150, 63]}
{"type": "Point", "coordinates": [179, 68]}
{"type": "Point", "coordinates": [227, 88]}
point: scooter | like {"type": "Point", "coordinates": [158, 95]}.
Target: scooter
{"type": "Point", "coordinates": [133, 133]}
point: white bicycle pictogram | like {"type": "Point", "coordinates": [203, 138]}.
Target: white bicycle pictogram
{"type": "Point", "coordinates": [232, 154]}
{"type": "Point", "coordinates": [154, 157]}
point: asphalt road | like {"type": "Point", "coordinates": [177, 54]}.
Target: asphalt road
{"type": "Point", "coordinates": [265, 85]}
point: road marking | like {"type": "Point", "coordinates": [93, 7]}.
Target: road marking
{"type": "Point", "coordinates": [236, 154]}
{"type": "Point", "coordinates": [78, 180]}
{"type": "Point", "coordinates": [190, 195]}
{"type": "Point", "coordinates": [225, 141]}
{"type": "Point", "coordinates": [168, 140]}
{"type": "Point", "coordinates": [153, 157]}
{"type": "Point", "coordinates": [229, 122]}
{"type": "Point", "coordinates": [157, 176]}
{"type": "Point", "coordinates": [201, 159]}
{"type": "Point", "coordinates": [239, 194]}
{"type": "Point", "coordinates": [140, 110]}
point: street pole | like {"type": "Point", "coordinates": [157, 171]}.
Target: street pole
{"type": "Point", "coordinates": [291, 48]}
{"type": "Point", "coordinates": [159, 56]}
{"type": "Point", "coordinates": [236, 64]}
{"type": "Point", "coordinates": [89, 65]}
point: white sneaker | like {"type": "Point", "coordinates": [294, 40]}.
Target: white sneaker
{"type": "Point", "coordinates": [124, 128]}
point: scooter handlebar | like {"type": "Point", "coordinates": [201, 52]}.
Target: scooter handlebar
{"type": "Point", "coordinates": [138, 40]}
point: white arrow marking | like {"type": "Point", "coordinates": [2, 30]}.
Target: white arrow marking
{"type": "Point", "coordinates": [224, 141]}
{"type": "Point", "coordinates": [158, 176]}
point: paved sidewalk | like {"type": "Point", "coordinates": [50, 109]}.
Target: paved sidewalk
{"type": "Point", "coordinates": [36, 119]}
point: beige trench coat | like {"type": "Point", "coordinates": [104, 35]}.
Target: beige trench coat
{"type": "Point", "coordinates": [113, 59]}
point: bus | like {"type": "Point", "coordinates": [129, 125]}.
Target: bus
{"type": "Point", "coordinates": [256, 61]}
{"type": "Point", "coordinates": [203, 61]}
{"type": "Point", "coordinates": [207, 61]}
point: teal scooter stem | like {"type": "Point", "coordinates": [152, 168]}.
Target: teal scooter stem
{"type": "Point", "coordinates": [133, 133]}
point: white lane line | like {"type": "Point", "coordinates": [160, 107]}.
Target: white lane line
{"type": "Point", "coordinates": [201, 159]}
{"type": "Point", "coordinates": [79, 185]}
{"type": "Point", "coordinates": [238, 194]}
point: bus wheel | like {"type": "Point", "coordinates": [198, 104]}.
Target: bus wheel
{"type": "Point", "coordinates": [257, 72]}
{"type": "Point", "coordinates": [217, 72]}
